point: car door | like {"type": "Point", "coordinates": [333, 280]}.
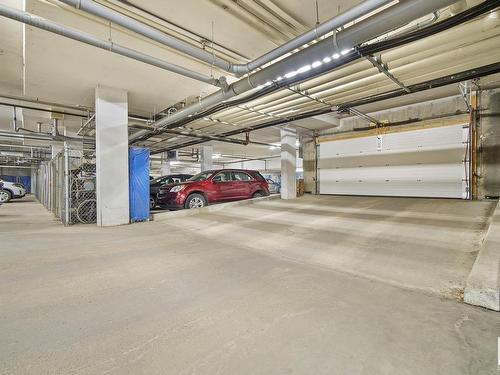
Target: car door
{"type": "Point", "coordinates": [223, 186]}
{"type": "Point", "coordinates": [241, 184]}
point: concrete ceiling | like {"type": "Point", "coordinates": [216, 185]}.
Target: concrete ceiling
{"type": "Point", "coordinates": [52, 68]}
{"type": "Point", "coordinates": [45, 66]}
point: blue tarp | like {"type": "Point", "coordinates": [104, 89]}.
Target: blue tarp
{"type": "Point", "coordinates": [25, 180]}
{"type": "Point", "coordinates": [138, 166]}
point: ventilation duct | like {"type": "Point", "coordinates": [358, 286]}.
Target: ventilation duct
{"type": "Point", "coordinates": [304, 64]}
{"type": "Point", "coordinates": [41, 23]}
{"type": "Point", "coordinates": [355, 12]}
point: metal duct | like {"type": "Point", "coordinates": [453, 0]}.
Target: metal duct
{"type": "Point", "coordinates": [96, 9]}
{"type": "Point", "coordinates": [208, 137]}
{"type": "Point", "coordinates": [439, 82]}
{"type": "Point", "coordinates": [393, 18]}
{"type": "Point", "coordinates": [335, 82]}
{"type": "Point", "coordinates": [53, 27]}
{"type": "Point", "coordinates": [37, 136]}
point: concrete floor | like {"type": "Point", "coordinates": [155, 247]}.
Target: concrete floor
{"type": "Point", "coordinates": [319, 285]}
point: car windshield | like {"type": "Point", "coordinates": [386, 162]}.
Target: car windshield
{"type": "Point", "coordinates": [200, 176]}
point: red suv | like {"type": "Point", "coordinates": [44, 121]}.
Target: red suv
{"type": "Point", "coordinates": [213, 186]}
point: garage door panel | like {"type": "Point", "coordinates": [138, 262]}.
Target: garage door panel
{"type": "Point", "coordinates": [401, 189]}
{"type": "Point", "coordinates": [419, 163]}
{"type": "Point", "coordinates": [406, 157]}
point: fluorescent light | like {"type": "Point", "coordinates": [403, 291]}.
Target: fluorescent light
{"type": "Point", "coordinates": [216, 156]}
{"type": "Point", "coordinates": [316, 64]}
{"type": "Point", "coordinates": [268, 83]}
{"type": "Point", "coordinates": [304, 69]}
{"type": "Point", "coordinates": [291, 74]}
{"type": "Point", "coordinates": [326, 60]}
{"type": "Point", "coordinates": [206, 119]}
{"type": "Point", "coordinates": [335, 55]}
{"type": "Point", "coordinates": [344, 52]}
{"type": "Point", "coordinates": [279, 78]}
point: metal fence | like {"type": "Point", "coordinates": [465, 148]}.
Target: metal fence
{"type": "Point", "coordinates": [66, 186]}
{"type": "Point", "coordinates": [82, 188]}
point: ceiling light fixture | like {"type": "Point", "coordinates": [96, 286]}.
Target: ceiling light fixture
{"type": "Point", "coordinates": [326, 60]}
{"type": "Point", "coordinates": [316, 64]}
{"type": "Point", "coordinates": [304, 69]}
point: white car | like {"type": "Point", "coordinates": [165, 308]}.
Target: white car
{"type": "Point", "coordinates": [11, 190]}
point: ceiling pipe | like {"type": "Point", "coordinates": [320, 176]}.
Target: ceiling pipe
{"type": "Point", "coordinates": [96, 9]}
{"type": "Point", "coordinates": [327, 52]}
{"type": "Point", "coordinates": [37, 136]}
{"type": "Point", "coordinates": [207, 137]}
{"type": "Point", "coordinates": [369, 48]}
{"type": "Point", "coordinates": [423, 86]}
{"type": "Point", "coordinates": [41, 23]}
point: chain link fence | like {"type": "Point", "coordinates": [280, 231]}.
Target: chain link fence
{"type": "Point", "coordinates": [82, 188]}
{"type": "Point", "coordinates": [66, 186]}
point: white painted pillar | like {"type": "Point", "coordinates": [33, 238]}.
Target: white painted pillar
{"type": "Point", "coordinates": [111, 123]}
{"type": "Point", "coordinates": [165, 165]}
{"type": "Point", "coordinates": [288, 163]}
{"type": "Point", "coordinates": [206, 158]}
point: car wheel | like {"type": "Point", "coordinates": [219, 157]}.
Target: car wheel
{"type": "Point", "coordinates": [5, 196]}
{"type": "Point", "coordinates": [195, 201]}
{"type": "Point", "coordinates": [257, 194]}
{"type": "Point", "coordinates": [152, 203]}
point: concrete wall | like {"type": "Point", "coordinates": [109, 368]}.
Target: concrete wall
{"type": "Point", "coordinates": [427, 109]}
{"type": "Point", "coordinates": [15, 171]}
{"type": "Point", "coordinates": [489, 144]}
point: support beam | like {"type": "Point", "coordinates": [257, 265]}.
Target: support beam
{"type": "Point", "coordinates": [111, 122]}
{"type": "Point", "coordinates": [288, 163]}
{"type": "Point", "coordinates": [206, 158]}
{"type": "Point", "coordinates": [165, 164]}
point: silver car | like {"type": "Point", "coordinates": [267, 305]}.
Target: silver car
{"type": "Point", "coordinates": [274, 187]}
{"type": "Point", "coordinates": [11, 190]}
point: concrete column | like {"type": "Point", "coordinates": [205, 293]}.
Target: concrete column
{"type": "Point", "coordinates": [288, 163]}
{"type": "Point", "coordinates": [165, 165]}
{"type": "Point", "coordinates": [309, 165]}
{"type": "Point", "coordinates": [206, 158]}
{"type": "Point", "coordinates": [488, 144]}
{"type": "Point", "coordinates": [111, 122]}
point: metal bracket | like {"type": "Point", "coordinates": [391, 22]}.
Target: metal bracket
{"type": "Point", "coordinates": [465, 90]}
{"type": "Point", "coordinates": [382, 68]}
{"type": "Point", "coordinates": [364, 116]}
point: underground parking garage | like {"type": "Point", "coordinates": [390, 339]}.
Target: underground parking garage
{"type": "Point", "coordinates": [249, 187]}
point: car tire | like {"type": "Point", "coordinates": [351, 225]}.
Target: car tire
{"type": "Point", "coordinates": [152, 203]}
{"type": "Point", "coordinates": [5, 196]}
{"type": "Point", "coordinates": [257, 194]}
{"type": "Point", "coordinates": [195, 201]}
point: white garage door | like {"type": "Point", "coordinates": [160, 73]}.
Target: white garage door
{"type": "Point", "coordinates": [419, 163]}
